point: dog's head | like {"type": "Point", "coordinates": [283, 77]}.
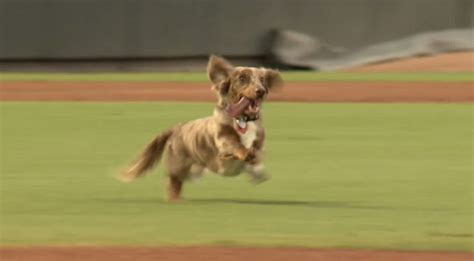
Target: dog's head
{"type": "Point", "coordinates": [241, 90]}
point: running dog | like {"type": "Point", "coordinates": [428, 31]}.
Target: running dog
{"type": "Point", "coordinates": [227, 143]}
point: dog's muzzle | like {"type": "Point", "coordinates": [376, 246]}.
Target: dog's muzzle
{"type": "Point", "coordinates": [245, 106]}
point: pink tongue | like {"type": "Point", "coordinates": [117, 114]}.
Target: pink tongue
{"type": "Point", "coordinates": [235, 109]}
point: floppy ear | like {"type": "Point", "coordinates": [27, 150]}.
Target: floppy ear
{"type": "Point", "coordinates": [218, 69]}
{"type": "Point", "coordinates": [273, 79]}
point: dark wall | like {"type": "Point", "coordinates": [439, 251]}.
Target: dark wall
{"type": "Point", "coordinates": [32, 29]}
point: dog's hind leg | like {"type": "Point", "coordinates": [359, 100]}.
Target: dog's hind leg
{"type": "Point", "coordinates": [178, 167]}
{"type": "Point", "coordinates": [175, 185]}
{"type": "Point", "coordinates": [177, 174]}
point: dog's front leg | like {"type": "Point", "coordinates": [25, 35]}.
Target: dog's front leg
{"type": "Point", "coordinates": [257, 171]}
{"type": "Point", "coordinates": [230, 146]}
{"type": "Point", "coordinates": [255, 167]}
{"type": "Point", "coordinates": [237, 152]}
{"type": "Point", "coordinates": [232, 160]}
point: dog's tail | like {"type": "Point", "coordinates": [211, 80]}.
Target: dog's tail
{"type": "Point", "coordinates": [148, 158]}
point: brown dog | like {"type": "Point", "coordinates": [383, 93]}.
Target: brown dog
{"type": "Point", "coordinates": [228, 142]}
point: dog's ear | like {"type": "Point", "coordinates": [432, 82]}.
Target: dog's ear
{"type": "Point", "coordinates": [218, 69]}
{"type": "Point", "coordinates": [273, 79]}
{"type": "Point", "coordinates": [223, 87]}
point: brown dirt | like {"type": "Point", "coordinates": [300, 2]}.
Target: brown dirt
{"type": "Point", "coordinates": [216, 253]}
{"type": "Point", "coordinates": [304, 92]}
{"type": "Point", "coordinates": [449, 62]}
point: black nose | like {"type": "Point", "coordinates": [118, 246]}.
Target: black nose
{"type": "Point", "coordinates": [260, 93]}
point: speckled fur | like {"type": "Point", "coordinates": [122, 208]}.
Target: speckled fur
{"type": "Point", "coordinates": [213, 142]}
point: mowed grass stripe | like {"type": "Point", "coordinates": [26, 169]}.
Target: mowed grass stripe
{"type": "Point", "coordinates": [378, 176]}
{"type": "Point", "coordinates": [202, 77]}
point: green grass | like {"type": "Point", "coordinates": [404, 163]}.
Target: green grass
{"type": "Point", "coordinates": [202, 77]}
{"type": "Point", "coordinates": [377, 176]}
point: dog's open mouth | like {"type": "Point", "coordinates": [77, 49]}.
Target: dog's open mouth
{"type": "Point", "coordinates": [247, 106]}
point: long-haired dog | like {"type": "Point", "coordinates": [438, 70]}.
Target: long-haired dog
{"type": "Point", "coordinates": [227, 143]}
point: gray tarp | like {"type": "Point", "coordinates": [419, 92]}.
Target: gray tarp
{"type": "Point", "coordinates": [299, 50]}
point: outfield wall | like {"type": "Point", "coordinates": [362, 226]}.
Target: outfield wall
{"type": "Point", "coordinates": [89, 29]}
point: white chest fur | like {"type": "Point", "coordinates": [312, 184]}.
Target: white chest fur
{"type": "Point", "coordinates": [250, 135]}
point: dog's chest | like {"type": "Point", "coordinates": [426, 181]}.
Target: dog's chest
{"type": "Point", "coordinates": [250, 135]}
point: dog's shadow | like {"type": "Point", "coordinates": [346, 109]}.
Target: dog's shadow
{"type": "Point", "coordinates": [257, 202]}
{"type": "Point", "coordinates": [287, 203]}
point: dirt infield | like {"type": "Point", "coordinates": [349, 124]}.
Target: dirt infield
{"type": "Point", "coordinates": [217, 253]}
{"type": "Point", "coordinates": [303, 92]}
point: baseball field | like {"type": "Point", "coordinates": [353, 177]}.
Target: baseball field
{"type": "Point", "coordinates": [365, 166]}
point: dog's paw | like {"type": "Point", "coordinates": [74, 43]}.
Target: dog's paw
{"type": "Point", "coordinates": [247, 155]}
{"type": "Point", "coordinates": [258, 179]}
{"type": "Point", "coordinates": [244, 154]}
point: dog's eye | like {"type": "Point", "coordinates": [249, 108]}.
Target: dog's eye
{"type": "Point", "coordinates": [262, 80]}
{"type": "Point", "coordinates": [242, 78]}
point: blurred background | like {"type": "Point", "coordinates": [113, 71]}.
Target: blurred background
{"type": "Point", "coordinates": [169, 35]}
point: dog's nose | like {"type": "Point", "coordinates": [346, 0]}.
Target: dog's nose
{"type": "Point", "coordinates": [260, 93]}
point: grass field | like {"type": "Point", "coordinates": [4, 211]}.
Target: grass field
{"type": "Point", "coordinates": [201, 77]}
{"type": "Point", "coordinates": [377, 176]}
